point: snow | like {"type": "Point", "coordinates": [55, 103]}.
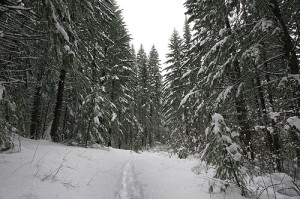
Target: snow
{"type": "Point", "coordinates": [67, 48]}
{"type": "Point", "coordinates": [62, 31]}
{"type": "Point", "coordinates": [295, 77]}
{"type": "Point", "coordinates": [47, 135]}
{"type": "Point", "coordinates": [219, 44]}
{"type": "Point", "coordinates": [96, 120]}
{"type": "Point", "coordinates": [294, 121]}
{"type": "Point", "coordinates": [253, 52]}
{"type": "Point", "coordinates": [130, 188]}
{"type": "Point", "coordinates": [188, 72]}
{"type": "Point", "coordinates": [1, 33]}
{"type": "Point", "coordinates": [184, 100]}
{"type": "Point", "coordinates": [258, 127]}
{"type": "Point", "coordinates": [271, 130]}
{"type": "Point", "coordinates": [224, 94]}
{"type": "Point", "coordinates": [284, 80]}
{"type": "Point", "coordinates": [114, 116]}
{"type": "Point", "coordinates": [115, 77]}
{"type": "Point", "coordinates": [233, 151]}
{"type": "Point", "coordinates": [239, 90]}
{"type": "Point", "coordinates": [274, 115]}
{"type": "Point", "coordinates": [222, 32]}
{"type": "Point", "coordinates": [1, 91]}
{"type": "Point", "coordinates": [58, 27]}
{"type": "Point", "coordinates": [204, 41]}
{"type": "Point", "coordinates": [19, 7]}
{"type": "Point", "coordinates": [46, 170]}
{"type": "Point", "coordinates": [217, 119]}
{"type": "Point", "coordinates": [264, 25]}
{"type": "Point", "coordinates": [56, 171]}
{"type": "Point", "coordinates": [283, 186]}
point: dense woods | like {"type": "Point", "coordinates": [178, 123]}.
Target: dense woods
{"type": "Point", "coordinates": [231, 89]}
{"type": "Point", "coordinates": [69, 73]}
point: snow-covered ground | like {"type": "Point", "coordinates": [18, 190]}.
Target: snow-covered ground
{"type": "Point", "coordinates": [44, 170]}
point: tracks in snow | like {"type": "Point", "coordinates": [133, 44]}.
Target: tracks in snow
{"type": "Point", "coordinates": [130, 189]}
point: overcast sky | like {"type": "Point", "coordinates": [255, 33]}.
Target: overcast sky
{"type": "Point", "coordinates": [152, 22]}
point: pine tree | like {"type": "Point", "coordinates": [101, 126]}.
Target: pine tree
{"type": "Point", "coordinates": [120, 85]}
{"type": "Point", "coordinates": [91, 19]}
{"type": "Point", "coordinates": [193, 122]}
{"type": "Point", "coordinates": [143, 96]}
{"type": "Point", "coordinates": [64, 40]}
{"type": "Point", "coordinates": [173, 93]}
{"type": "Point", "coordinates": [134, 138]}
{"type": "Point", "coordinates": [224, 152]}
{"type": "Point", "coordinates": [155, 96]}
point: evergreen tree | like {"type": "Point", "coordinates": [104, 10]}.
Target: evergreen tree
{"type": "Point", "coordinates": [155, 96]}
{"type": "Point", "coordinates": [86, 47]}
{"type": "Point", "coordinates": [193, 122]}
{"type": "Point", "coordinates": [143, 96]}
{"type": "Point", "coordinates": [236, 68]}
{"type": "Point", "coordinates": [222, 145]}
{"type": "Point", "coordinates": [173, 93]}
{"type": "Point", "coordinates": [134, 138]}
{"type": "Point", "coordinates": [121, 87]}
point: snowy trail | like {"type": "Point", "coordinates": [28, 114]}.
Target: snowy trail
{"type": "Point", "coordinates": [130, 189]}
{"type": "Point", "coordinates": [44, 170]}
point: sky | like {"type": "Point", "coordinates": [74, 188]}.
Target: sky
{"type": "Point", "coordinates": [151, 22]}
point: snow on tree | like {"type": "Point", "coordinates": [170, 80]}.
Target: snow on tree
{"type": "Point", "coordinates": [155, 96]}
{"type": "Point", "coordinates": [224, 152]}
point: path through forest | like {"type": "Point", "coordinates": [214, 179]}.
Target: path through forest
{"type": "Point", "coordinates": [130, 189]}
{"type": "Point", "coordinates": [44, 170]}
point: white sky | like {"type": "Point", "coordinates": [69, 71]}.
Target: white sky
{"type": "Point", "coordinates": [152, 22]}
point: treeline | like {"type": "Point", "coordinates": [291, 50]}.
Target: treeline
{"type": "Point", "coordinates": [232, 87]}
{"type": "Point", "coordinates": [68, 73]}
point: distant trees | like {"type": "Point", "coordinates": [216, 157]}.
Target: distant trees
{"type": "Point", "coordinates": [156, 117]}
{"type": "Point", "coordinates": [143, 95]}
{"type": "Point", "coordinates": [149, 103]}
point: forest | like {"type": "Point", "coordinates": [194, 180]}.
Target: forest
{"type": "Point", "coordinates": [229, 90]}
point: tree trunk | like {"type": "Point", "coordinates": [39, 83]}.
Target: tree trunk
{"type": "Point", "coordinates": [87, 134]}
{"type": "Point", "coordinates": [274, 142]}
{"type": "Point", "coordinates": [289, 48]}
{"type": "Point", "coordinates": [7, 118]}
{"type": "Point", "coordinates": [286, 38]}
{"type": "Point", "coordinates": [256, 98]}
{"type": "Point", "coordinates": [44, 125]}
{"type": "Point", "coordinates": [240, 105]}
{"type": "Point", "coordinates": [109, 137]}
{"type": "Point", "coordinates": [65, 121]}
{"type": "Point", "coordinates": [36, 112]}
{"type": "Point", "coordinates": [242, 113]}
{"type": "Point", "coordinates": [293, 64]}
{"type": "Point", "coordinates": [245, 127]}
{"type": "Point", "coordinates": [58, 106]}
{"type": "Point", "coordinates": [272, 138]}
